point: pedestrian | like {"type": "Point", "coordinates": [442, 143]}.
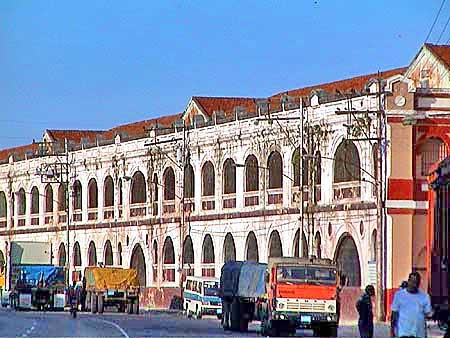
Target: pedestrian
{"type": "Point", "coordinates": [410, 308]}
{"type": "Point", "coordinates": [364, 308]}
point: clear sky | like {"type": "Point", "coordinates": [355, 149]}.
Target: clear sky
{"type": "Point", "coordinates": [91, 64]}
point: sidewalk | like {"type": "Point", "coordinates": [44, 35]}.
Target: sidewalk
{"type": "Point", "coordinates": [161, 311]}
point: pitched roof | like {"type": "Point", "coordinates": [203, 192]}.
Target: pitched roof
{"type": "Point", "coordinates": [74, 135]}
{"type": "Point", "coordinates": [442, 52]}
{"type": "Point", "coordinates": [20, 151]}
{"type": "Point", "coordinates": [227, 104]}
{"type": "Point", "coordinates": [357, 83]}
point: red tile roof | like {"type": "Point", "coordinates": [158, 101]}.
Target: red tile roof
{"type": "Point", "coordinates": [227, 104]}
{"type": "Point", "coordinates": [357, 83]}
{"type": "Point", "coordinates": [20, 151]}
{"type": "Point", "coordinates": [74, 135]}
{"type": "Point", "coordinates": [442, 52]}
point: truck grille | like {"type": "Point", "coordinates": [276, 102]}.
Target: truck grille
{"type": "Point", "coordinates": [307, 307]}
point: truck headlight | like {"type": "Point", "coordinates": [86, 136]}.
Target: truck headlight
{"type": "Point", "coordinates": [331, 308]}
{"type": "Point", "coordinates": [280, 305]}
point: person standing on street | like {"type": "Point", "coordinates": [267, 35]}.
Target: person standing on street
{"type": "Point", "coordinates": [410, 308]}
{"type": "Point", "coordinates": [364, 308]}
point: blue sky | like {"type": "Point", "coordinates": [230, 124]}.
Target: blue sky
{"type": "Point", "coordinates": [97, 64]}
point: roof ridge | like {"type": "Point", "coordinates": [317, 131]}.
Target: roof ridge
{"type": "Point", "coordinates": [226, 97]}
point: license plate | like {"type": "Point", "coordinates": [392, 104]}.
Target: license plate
{"type": "Point", "coordinates": [219, 311]}
{"type": "Point", "coordinates": [305, 319]}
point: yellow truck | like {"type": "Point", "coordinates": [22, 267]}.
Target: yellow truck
{"type": "Point", "coordinates": [112, 286]}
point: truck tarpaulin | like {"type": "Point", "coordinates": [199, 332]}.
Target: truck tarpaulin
{"type": "Point", "coordinates": [111, 278]}
{"type": "Point", "coordinates": [252, 282]}
{"type": "Point", "coordinates": [51, 275]}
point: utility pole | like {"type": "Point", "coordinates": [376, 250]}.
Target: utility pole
{"type": "Point", "coordinates": [58, 171]}
{"type": "Point", "coordinates": [300, 158]}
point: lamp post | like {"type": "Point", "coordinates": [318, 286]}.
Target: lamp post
{"type": "Point", "coordinates": [58, 171]}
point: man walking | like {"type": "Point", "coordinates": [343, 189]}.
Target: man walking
{"type": "Point", "coordinates": [364, 308]}
{"type": "Point", "coordinates": [409, 309]}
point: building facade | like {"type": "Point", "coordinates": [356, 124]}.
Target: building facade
{"type": "Point", "coordinates": [182, 194]}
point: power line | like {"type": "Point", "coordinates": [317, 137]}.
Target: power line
{"type": "Point", "coordinates": [435, 20]}
{"type": "Point", "coordinates": [443, 30]}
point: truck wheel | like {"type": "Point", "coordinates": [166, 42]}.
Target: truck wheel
{"type": "Point", "coordinates": [136, 306]}
{"type": "Point", "coordinates": [100, 303]}
{"type": "Point", "coordinates": [93, 303]}
{"type": "Point", "coordinates": [235, 315]}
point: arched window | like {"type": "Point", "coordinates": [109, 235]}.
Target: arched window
{"type": "Point", "coordinates": [155, 188]}
{"type": "Point", "coordinates": [77, 195]}
{"type": "Point", "coordinates": [34, 201]}
{"type": "Point", "coordinates": [208, 179]}
{"type": "Point", "coordinates": [275, 167]}
{"type": "Point", "coordinates": [108, 192]}
{"type": "Point", "coordinates": [348, 264]}
{"type": "Point", "coordinates": [108, 254]}
{"type": "Point", "coordinates": [229, 177]}
{"type": "Point", "coordinates": [188, 256]}
{"type": "Point", "coordinates": [169, 184]}
{"type": "Point", "coordinates": [275, 247]}
{"type": "Point", "coordinates": [48, 198]}
{"type": "Point", "coordinates": [3, 206]}
{"type": "Point", "coordinates": [296, 158]}
{"type": "Point", "coordinates": [76, 254]}
{"type": "Point", "coordinates": [120, 200]}
{"type": "Point", "coordinates": [62, 255]}
{"type": "Point", "coordinates": [137, 263]}
{"type": "Point", "coordinates": [229, 249]}
{"type": "Point", "coordinates": [92, 194]}
{"type": "Point", "coordinates": [346, 163]}
{"type": "Point", "coordinates": [432, 151]}
{"type": "Point", "coordinates": [189, 182]}
{"type": "Point", "coordinates": [168, 261]}
{"type": "Point", "coordinates": [251, 173]}
{"type": "Point", "coordinates": [62, 197]}
{"type": "Point", "coordinates": [21, 202]}
{"type": "Point", "coordinates": [138, 189]}
{"type": "Point", "coordinates": [208, 259]}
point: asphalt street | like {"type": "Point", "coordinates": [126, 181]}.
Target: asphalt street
{"type": "Point", "coordinates": [153, 324]}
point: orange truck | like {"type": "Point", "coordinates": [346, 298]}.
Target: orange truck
{"type": "Point", "coordinates": [289, 293]}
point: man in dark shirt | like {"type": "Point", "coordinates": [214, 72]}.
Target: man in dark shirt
{"type": "Point", "coordinates": [364, 307]}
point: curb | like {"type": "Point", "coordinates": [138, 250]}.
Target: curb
{"type": "Point", "coordinates": [162, 311]}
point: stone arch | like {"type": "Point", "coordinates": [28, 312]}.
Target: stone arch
{"type": "Point", "coordinates": [76, 254]}
{"type": "Point", "coordinates": [108, 254]}
{"type": "Point", "coordinates": [92, 194]}
{"type": "Point", "coordinates": [208, 257]}
{"type": "Point", "coordinates": [275, 169]}
{"type": "Point", "coordinates": [348, 262]}
{"type": "Point", "coordinates": [92, 254]}
{"type": "Point", "coordinates": [138, 188]}
{"type": "Point", "coordinates": [48, 198]}
{"type": "Point", "coordinates": [297, 244]}
{"type": "Point", "coordinates": [275, 247]}
{"type": "Point", "coordinates": [21, 202]}
{"type": "Point", "coordinates": [108, 192]}
{"type": "Point", "coordinates": [168, 260]}
{"type": "Point", "coordinates": [229, 176]}
{"type": "Point", "coordinates": [77, 195]}
{"type": "Point", "coordinates": [296, 158]}
{"type": "Point", "coordinates": [189, 181]}
{"type": "Point", "coordinates": [188, 256]}
{"type": "Point", "coordinates": [137, 262]}
{"type": "Point", "coordinates": [35, 200]}
{"type": "Point", "coordinates": [251, 248]}
{"type": "Point", "coordinates": [62, 201]}
{"type": "Point", "coordinates": [62, 255]}
{"type": "Point", "coordinates": [318, 245]}
{"type": "Point", "coordinates": [347, 165]}
{"type": "Point", "coordinates": [229, 249]}
{"type": "Point", "coordinates": [3, 206]}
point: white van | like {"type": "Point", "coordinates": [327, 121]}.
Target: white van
{"type": "Point", "coordinates": [201, 297]}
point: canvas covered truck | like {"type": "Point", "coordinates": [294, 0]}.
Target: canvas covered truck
{"type": "Point", "coordinates": [34, 282]}
{"type": "Point", "coordinates": [112, 286]}
{"type": "Point", "coordinates": [285, 294]}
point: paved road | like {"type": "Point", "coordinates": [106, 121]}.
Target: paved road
{"type": "Point", "coordinates": [54, 324]}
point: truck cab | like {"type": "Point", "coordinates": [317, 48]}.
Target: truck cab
{"type": "Point", "coordinates": [301, 293]}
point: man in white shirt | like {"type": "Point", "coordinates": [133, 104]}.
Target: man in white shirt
{"type": "Point", "coordinates": [409, 309]}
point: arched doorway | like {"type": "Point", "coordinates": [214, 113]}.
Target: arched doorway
{"type": "Point", "coordinates": [188, 257]}
{"type": "Point", "coordinates": [229, 249]}
{"type": "Point", "coordinates": [62, 255]}
{"type": "Point", "coordinates": [297, 244]}
{"type": "Point", "coordinates": [108, 254]}
{"type": "Point", "coordinates": [208, 260]}
{"type": "Point", "coordinates": [76, 254]}
{"type": "Point", "coordinates": [251, 248]}
{"type": "Point", "coordinates": [168, 261]}
{"type": "Point", "coordinates": [347, 259]}
{"type": "Point", "coordinates": [92, 254]}
{"type": "Point", "coordinates": [275, 247]}
{"type": "Point", "coordinates": [137, 262]}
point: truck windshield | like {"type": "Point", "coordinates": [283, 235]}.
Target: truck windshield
{"type": "Point", "coordinates": [316, 275]}
{"type": "Point", "coordinates": [211, 288]}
